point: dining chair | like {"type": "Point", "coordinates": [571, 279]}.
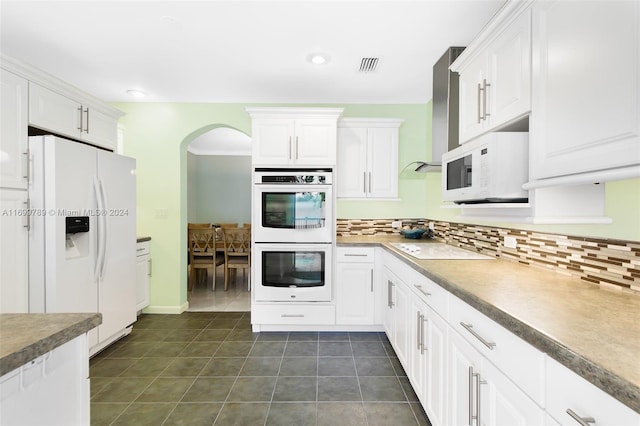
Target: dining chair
{"type": "Point", "coordinates": [202, 255]}
{"type": "Point", "coordinates": [227, 225]}
{"type": "Point", "coordinates": [237, 254]}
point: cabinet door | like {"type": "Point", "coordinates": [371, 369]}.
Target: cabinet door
{"type": "Point", "coordinates": [13, 131]}
{"type": "Point", "coordinates": [352, 162]}
{"type": "Point", "coordinates": [390, 284]}
{"type": "Point", "coordinates": [417, 347]}
{"type": "Point", "coordinates": [355, 293]}
{"type": "Point", "coordinates": [53, 112]}
{"type": "Point", "coordinates": [382, 162]}
{"type": "Point", "coordinates": [315, 142]}
{"type": "Point", "coordinates": [436, 378]}
{"type": "Point", "coordinates": [463, 362]}
{"type": "Point", "coordinates": [14, 252]}
{"type": "Point", "coordinates": [503, 403]}
{"type": "Point", "coordinates": [586, 99]}
{"type": "Point", "coordinates": [143, 269]}
{"type": "Point", "coordinates": [509, 93]}
{"type": "Point", "coordinates": [402, 318]}
{"type": "Point", "coordinates": [99, 128]}
{"type": "Point", "coordinates": [472, 98]}
{"type": "Point", "coordinates": [272, 141]}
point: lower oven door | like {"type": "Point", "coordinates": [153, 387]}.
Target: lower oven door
{"type": "Point", "coordinates": [292, 272]}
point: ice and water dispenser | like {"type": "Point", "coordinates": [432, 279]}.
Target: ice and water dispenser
{"type": "Point", "coordinates": [77, 236]}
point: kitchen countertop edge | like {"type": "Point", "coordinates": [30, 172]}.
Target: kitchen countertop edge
{"type": "Point", "coordinates": [33, 335]}
{"type": "Point", "coordinates": [618, 387]}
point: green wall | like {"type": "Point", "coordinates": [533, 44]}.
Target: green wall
{"type": "Point", "coordinates": [157, 135]}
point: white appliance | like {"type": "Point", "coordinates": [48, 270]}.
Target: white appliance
{"type": "Point", "coordinates": [82, 241]}
{"type": "Point", "coordinates": [292, 272]}
{"type": "Point", "coordinates": [490, 169]}
{"type": "Point", "coordinates": [293, 205]}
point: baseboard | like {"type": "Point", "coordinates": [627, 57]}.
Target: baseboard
{"type": "Point", "coordinates": [159, 309]}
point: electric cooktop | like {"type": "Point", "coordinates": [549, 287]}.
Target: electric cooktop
{"type": "Point", "coordinates": [426, 251]}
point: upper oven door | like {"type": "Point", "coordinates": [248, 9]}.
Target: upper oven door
{"type": "Point", "coordinates": [293, 213]}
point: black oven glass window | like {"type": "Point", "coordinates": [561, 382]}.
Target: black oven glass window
{"type": "Point", "coordinates": [459, 173]}
{"type": "Point", "coordinates": [293, 268]}
{"type": "Point", "coordinates": [293, 210]}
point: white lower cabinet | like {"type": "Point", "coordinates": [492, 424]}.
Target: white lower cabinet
{"type": "Point", "coordinates": [569, 398]}
{"type": "Point", "coordinates": [427, 352]}
{"type": "Point", "coordinates": [355, 286]}
{"type": "Point", "coordinates": [480, 394]}
{"type": "Point", "coordinates": [52, 389]}
{"type": "Point", "coordinates": [466, 369]}
{"type": "Point", "coordinates": [396, 319]}
{"type": "Point", "coordinates": [143, 274]}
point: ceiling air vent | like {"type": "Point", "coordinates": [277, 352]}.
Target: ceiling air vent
{"type": "Point", "coordinates": [368, 65]}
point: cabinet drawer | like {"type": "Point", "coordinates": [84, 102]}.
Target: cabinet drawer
{"type": "Point", "coordinates": [517, 359]}
{"type": "Point", "coordinates": [355, 254]}
{"type": "Point", "coordinates": [143, 248]}
{"type": "Point", "coordinates": [293, 314]}
{"type": "Point", "coordinates": [429, 292]}
{"type": "Point", "coordinates": [568, 391]}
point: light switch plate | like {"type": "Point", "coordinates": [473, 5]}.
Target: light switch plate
{"type": "Point", "coordinates": [396, 224]}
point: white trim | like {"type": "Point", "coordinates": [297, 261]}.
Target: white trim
{"type": "Point", "coordinates": [167, 309]}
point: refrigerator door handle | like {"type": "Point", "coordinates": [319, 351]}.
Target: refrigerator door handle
{"type": "Point", "coordinates": [104, 228]}
{"type": "Point", "coordinates": [96, 269]}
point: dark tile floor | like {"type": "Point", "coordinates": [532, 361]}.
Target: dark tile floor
{"type": "Point", "coordinates": [205, 368]}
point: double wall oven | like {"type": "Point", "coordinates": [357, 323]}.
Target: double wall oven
{"type": "Point", "coordinates": [293, 232]}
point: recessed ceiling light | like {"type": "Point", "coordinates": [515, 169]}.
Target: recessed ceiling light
{"type": "Point", "coordinates": [318, 58]}
{"type": "Point", "coordinates": [136, 93]}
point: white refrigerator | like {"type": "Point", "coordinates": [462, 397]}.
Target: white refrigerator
{"type": "Point", "coordinates": [82, 241]}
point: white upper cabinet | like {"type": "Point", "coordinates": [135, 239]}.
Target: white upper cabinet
{"type": "Point", "coordinates": [13, 131]}
{"type": "Point", "coordinates": [586, 100]}
{"type": "Point", "coordinates": [368, 158]}
{"type": "Point", "coordinates": [53, 112]}
{"type": "Point", "coordinates": [294, 136]}
{"type": "Point", "coordinates": [495, 74]}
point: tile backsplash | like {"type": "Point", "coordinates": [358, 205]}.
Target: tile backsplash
{"type": "Point", "coordinates": [611, 263]}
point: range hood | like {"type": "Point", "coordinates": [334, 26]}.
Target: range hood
{"type": "Point", "coordinates": [444, 124]}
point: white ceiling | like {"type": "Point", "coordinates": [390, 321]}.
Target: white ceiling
{"type": "Point", "coordinates": [242, 51]}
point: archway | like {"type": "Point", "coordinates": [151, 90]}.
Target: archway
{"type": "Point", "coordinates": [218, 187]}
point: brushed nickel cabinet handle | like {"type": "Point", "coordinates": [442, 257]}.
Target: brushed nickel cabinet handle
{"type": "Point", "coordinates": [469, 328]}
{"type": "Point", "coordinates": [419, 287]}
{"type": "Point", "coordinates": [290, 148]}
{"type": "Point", "coordinates": [479, 98]}
{"type": "Point", "coordinates": [369, 182]}
{"type": "Point", "coordinates": [419, 330]}
{"type": "Point", "coordinates": [81, 127]}
{"type": "Point", "coordinates": [28, 215]}
{"type": "Point", "coordinates": [484, 96]}
{"type": "Point", "coordinates": [292, 316]}
{"type": "Point", "coordinates": [371, 280]}
{"type": "Point", "coordinates": [355, 255]}
{"type": "Point", "coordinates": [425, 321]}
{"type": "Point", "coordinates": [296, 147]}
{"type": "Point", "coordinates": [27, 168]}
{"type": "Point", "coordinates": [86, 127]}
{"type": "Point", "coordinates": [364, 182]}
{"type": "Point", "coordinates": [583, 421]}
{"type": "Point", "coordinates": [150, 267]}
{"type": "Point", "coordinates": [471, 416]}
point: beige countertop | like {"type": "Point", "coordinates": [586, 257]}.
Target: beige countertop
{"type": "Point", "coordinates": [591, 330]}
{"type": "Point", "coordinates": [25, 337]}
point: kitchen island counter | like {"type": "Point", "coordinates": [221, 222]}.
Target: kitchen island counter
{"type": "Point", "coordinates": [592, 330]}
{"type": "Point", "coordinates": [25, 337]}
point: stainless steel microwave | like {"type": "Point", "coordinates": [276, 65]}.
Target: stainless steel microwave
{"type": "Point", "coordinates": [490, 169]}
